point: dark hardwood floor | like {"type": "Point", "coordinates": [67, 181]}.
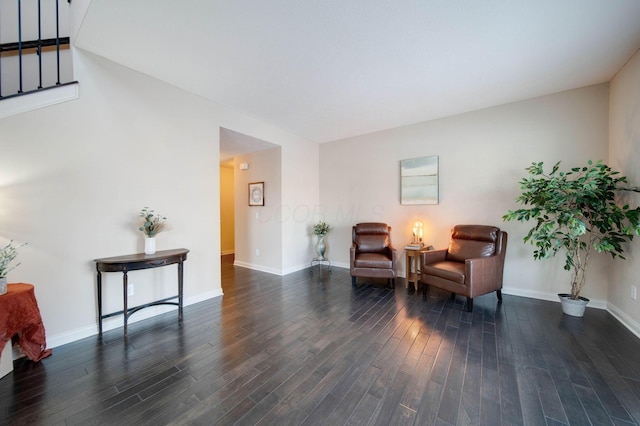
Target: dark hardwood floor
{"type": "Point", "coordinates": [309, 349]}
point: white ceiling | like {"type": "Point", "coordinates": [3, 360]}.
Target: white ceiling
{"type": "Point", "coordinates": [328, 69]}
{"type": "Point", "coordinates": [234, 143]}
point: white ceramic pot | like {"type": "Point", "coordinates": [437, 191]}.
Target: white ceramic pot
{"type": "Point", "coordinates": [3, 285]}
{"type": "Point", "coordinates": [575, 308]}
{"type": "Point", "coordinates": [149, 245]}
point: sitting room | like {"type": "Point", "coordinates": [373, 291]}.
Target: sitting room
{"type": "Point", "coordinates": [323, 105]}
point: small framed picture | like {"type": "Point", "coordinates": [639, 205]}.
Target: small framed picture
{"type": "Point", "coordinates": [256, 194]}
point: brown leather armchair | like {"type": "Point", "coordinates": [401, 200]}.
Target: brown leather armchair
{"type": "Point", "coordinates": [471, 266]}
{"type": "Point", "coordinates": [372, 254]}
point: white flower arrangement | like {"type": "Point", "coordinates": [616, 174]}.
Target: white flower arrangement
{"type": "Point", "coordinates": [321, 228]}
{"type": "Point", "coordinates": [7, 254]}
{"type": "Point", "coordinates": [152, 222]}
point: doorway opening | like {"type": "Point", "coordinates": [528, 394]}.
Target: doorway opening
{"type": "Point", "coordinates": [238, 149]}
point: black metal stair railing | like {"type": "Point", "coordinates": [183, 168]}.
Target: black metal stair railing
{"type": "Point", "coordinates": [21, 48]}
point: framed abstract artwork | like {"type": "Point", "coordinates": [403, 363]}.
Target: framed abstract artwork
{"type": "Point", "coordinates": [419, 180]}
{"type": "Point", "coordinates": [256, 194]}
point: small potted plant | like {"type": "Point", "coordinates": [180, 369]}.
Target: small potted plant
{"type": "Point", "coordinates": [152, 223]}
{"type": "Point", "coordinates": [7, 255]}
{"type": "Point", "coordinates": [576, 211]}
{"type": "Point", "coordinates": [321, 229]}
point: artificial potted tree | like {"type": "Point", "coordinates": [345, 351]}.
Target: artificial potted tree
{"type": "Point", "coordinates": [576, 211]}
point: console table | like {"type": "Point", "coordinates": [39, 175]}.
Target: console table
{"type": "Point", "coordinates": [135, 262]}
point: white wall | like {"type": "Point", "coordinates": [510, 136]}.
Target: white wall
{"type": "Point", "coordinates": [73, 177]}
{"type": "Point", "coordinates": [624, 151]}
{"type": "Point", "coordinates": [482, 156]}
{"type": "Point", "coordinates": [258, 229]}
{"type": "Point", "coordinates": [300, 205]}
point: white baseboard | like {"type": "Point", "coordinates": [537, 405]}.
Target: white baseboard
{"type": "Point", "coordinates": [625, 319]}
{"type": "Point", "coordinates": [115, 322]}
{"type": "Point", "coordinates": [6, 360]}
{"type": "Point", "coordinates": [274, 271]}
{"type": "Point", "coordinates": [308, 265]}
{"type": "Point", "coordinates": [257, 267]}
{"type": "Point", "coordinates": [552, 297]}
{"type": "Point", "coordinates": [342, 265]}
{"type": "Point", "coordinates": [295, 269]}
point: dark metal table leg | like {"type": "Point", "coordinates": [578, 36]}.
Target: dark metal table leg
{"type": "Point", "coordinates": [180, 291]}
{"type": "Point", "coordinates": [99, 281]}
{"type": "Point", "coordinates": [125, 282]}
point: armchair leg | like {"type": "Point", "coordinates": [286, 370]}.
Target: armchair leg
{"type": "Point", "coordinates": [353, 281]}
{"type": "Point", "coordinates": [469, 304]}
{"type": "Point", "coordinates": [392, 282]}
{"type": "Point", "coordinates": [499, 294]}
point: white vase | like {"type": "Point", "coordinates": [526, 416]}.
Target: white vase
{"type": "Point", "coordinates": [321, 248]}
{"type": "Point", "coordinates": [575, 308]}
{"type": "Point", "coordinates": [149, 245]}
{"type": "Point", "coordinates": [3, 285]}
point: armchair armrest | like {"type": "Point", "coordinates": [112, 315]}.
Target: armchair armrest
{"type": "Point", "coordinates": [393, 254]}
{"type": "Point", "coordinates": [433, 256]}
{"type": "Point", "coordinates": [484, 274]}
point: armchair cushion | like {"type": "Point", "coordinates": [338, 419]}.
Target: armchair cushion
{"type": "Point", "coordinates": [373, 260]}
{"type": "Point", "coordinates": [452, 271]}
{"type": "Point", "coordinates": [368, 243]}
{"type": "Point", "coordinates": [468, 242]}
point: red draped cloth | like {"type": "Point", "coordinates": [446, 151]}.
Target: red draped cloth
{"type": "Point", "coordinates": [19, 315]}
